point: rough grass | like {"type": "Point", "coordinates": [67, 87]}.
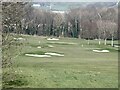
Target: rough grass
{"type": "Point", "coordinates": [79, 68]}
{"type": "Point", "coordinates": [13, 78]}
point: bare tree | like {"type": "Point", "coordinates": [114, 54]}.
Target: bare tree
{"type": "Point", "coordinates": [113, 30]}
{"type": "Point", "coordinates": [12, 23]}
{"type": "Point", "coordinates": [58, 19]}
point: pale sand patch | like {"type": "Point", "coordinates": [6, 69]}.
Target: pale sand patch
{"type": "Point", "coordinates": [55, 39]}
{"type": "Point", "coordinates": [50, 46]}
{"type": "Point", "coordinates": [19, 38]}
{"type": "Point", "coordinates": [104, 51]}
{"type": "Point", "coordinates": [62, 43]}
{"type": "Point", "coordinates": [92, 48]}
{"type": "Point", "coordinates": [39, 42]}
{"type": "Point", "coordinates": [15, 38]}
{"type": "Point", "coordinates": [34, 35]}
{"type": "Point", "coordinates": [25, 35]}
{"type": "Point", "coordinates": [95, 39]}
{"type": "Point", "coordinates": [82, 45]}
{"type": "Point", "coordinates": [98, 72]}
{"type": "Point", "coordinates": [36, 55]}
{"type": "Point", "coordinates": [39, 47]}
{"type": "Point", "coordinates": [116, 46]}
{"type": "Point", "coordinates": [54, 54]}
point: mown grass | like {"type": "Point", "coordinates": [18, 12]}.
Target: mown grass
{"type": "Point", "coordinates": [37, 52]}
{"type": "Point", "coordinates": [79, 68]}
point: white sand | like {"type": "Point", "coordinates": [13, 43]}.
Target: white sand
{"type": "Point", "coordinates": [104, 51]}
{"type": "Point", "coordinates": [19, 38]}
{"type": "Point", "coordinates": [15, 38]}
{"type": "Point", "coordinates": [39, 47]}
{"type": "Point", "coordinates": [92, 48]}
{"type": "Point", "coordinates": [39, 42]}
{"type": "Point", "coordinates": [98, 72]}
{"type": "Point", "coordinates": [50, 46]}
{"type": "Point", "coordinates": [54, 54]}
{"type": "Point", "coordinates": [25, 35]}
{"type": "Point", "coordinates": [34, 35]}
{"type": "Point", "coordinates": [50, 39]}
{"type": "Point", "coordinates": [35, 55]}
{"type": "Point", "coordinates": [82, 45]}
{"type": "Point", "coordinates": [116, 46]}
{"type": "Point", "coordinates": [62, 43]}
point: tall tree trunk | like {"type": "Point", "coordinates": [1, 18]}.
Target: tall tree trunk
{"type": "Point", "coordinates": [112, 42]}
{"type": "Point", "coordinates": [78, 30]}
{"type": "Point", "coordinates": [58, 31]}
{"type": "Point", "coordinates": [51, 29]}
{"type": "Point", "coordinates": [79, 36]}
{"type": "Point", "coordinates": [88, 41]}
{"type": "Point", "coordinates": [105, 43]}
{"type": "Point", "coordinates": [62, 34]}
{"type": "Point", "coordinates": [99, 41]}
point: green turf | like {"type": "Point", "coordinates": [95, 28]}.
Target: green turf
{"type": "Point", "coordinates": [79, 68]}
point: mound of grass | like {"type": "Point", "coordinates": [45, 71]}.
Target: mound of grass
{"type": "Point", "coordinates": [112, 49]}
{"type": "Point", "coordinates": [41, 52]}
{"type": "Point", "coordinates": [56, 52]}
{"type": "Point", "coordinates": [61, 43]}
{"type": "Point", "coordinates": [36, 52]}
{"type": "Point", "coordinates": [106, 47]}
{"type": "Point", "coordinates": [36, 45]}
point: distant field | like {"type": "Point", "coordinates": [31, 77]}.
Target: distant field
{"type": "Point", "coordinates": [80, 67]}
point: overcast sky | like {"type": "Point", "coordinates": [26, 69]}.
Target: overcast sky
{"type": "Point", "coordinates": [63, 0]}
{"type": "Point", "coordinates": [76, 0]}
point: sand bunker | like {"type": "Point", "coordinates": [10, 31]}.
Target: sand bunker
{"type": "Point", "coordinates": [103, 51]}
{"type": "Point", "coordinates": [54, 54]}
{"type": "Point", "coordinates": [39, 42]}
{"type": "Point", "coordinates": [82, 45]}
{"type": "Point", "coordinates": [63, 43]}
{"type": "Point", "coordinates": [19, 38]}
{"type": "Point", "coordinates": [92, 48]}
{"type": "Point", "coordinates": [36, 55]}
{"type": "Point", "coordinates": [39, 47]}
{"type": "Point", "coordinates": [50, 46]}
{"type": "Point", "coordinates": [116, 46]}
{"type": "Point", "coordinates": [55, 39]}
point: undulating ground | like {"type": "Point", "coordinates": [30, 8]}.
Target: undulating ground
{"type": "Point", "coordinates": [80, 67]}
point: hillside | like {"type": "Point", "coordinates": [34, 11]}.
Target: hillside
{"type": "Point", "coordinates": [64, 6]}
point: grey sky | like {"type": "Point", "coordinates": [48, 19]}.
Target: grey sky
{"type": "Point", "coordinates": [62, 0]}
{"type": "Point", "coordinates": [75, 0]}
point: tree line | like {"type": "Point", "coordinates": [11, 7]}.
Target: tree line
{"type": "Point", "coordinates": [88, 23]}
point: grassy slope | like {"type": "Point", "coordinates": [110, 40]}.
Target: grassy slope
{"type": "Point", "coordinates": [80, 67]}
